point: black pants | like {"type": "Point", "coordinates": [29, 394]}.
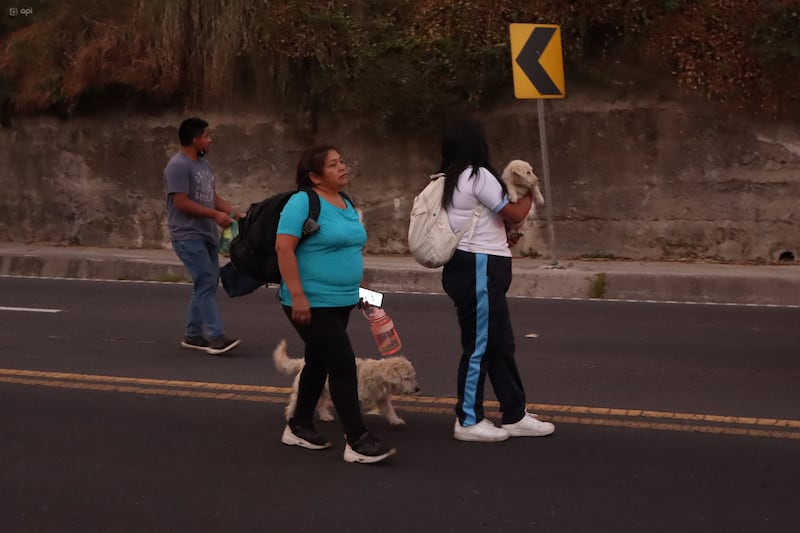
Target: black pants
{"type": "Point", "coordinates": [477, 284]}
{"type": "Point", "coordinates": [330, 356]}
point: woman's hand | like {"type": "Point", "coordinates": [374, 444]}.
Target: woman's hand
{"type": "Point", "coordinates": [222, 219]}
{"type": "Point", "coordinates": [301, 311]}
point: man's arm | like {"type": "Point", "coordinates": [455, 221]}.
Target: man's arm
{"type": "Point", "coordinates": [185, 204]}
{"type": "Point", "coordinates": [222, 205]}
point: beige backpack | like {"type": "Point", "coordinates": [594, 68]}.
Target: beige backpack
{"type": "Point", "coordinates": [430, 239]}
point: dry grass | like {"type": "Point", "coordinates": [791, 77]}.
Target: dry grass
{"type": "Point", "coordinates": [399, 59]}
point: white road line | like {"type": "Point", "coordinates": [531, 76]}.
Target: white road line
{"type": "Point", "coordinates": [95, 280]}
{"type": "Point", "coordinates": [30, 309]}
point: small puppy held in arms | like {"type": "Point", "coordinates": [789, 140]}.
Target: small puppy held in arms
{"type": "Point", "coordinates": [378, 380]}
{"type": "Point", "coordinates": [520, 179]}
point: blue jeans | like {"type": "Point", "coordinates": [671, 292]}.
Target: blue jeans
{"type": "Point", "coordinates": [201, 260]}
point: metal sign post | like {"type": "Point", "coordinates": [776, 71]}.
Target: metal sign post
{"type": "Point", "coordinates": [548, 198]}
{"type": "Point", "coordinates": [537, 64]}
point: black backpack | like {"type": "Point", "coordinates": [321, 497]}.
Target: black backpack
{"type": "Point", "coordinates": [253, 250]}
{"type": "Point", "coordinates": [254, 261]}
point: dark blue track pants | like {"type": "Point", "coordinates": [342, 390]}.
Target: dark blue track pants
{"type": "Point", "coordinates": [477, 284]}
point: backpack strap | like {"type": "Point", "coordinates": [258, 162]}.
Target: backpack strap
{"type": "Point", "coordinates": [476, 214]}
{"type": "Point", "coordinates": [310, 225]}
{"type": "Point", "coordinates": [347, 199]}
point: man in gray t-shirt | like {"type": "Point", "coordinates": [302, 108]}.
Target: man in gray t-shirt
{"type": "Point", "coordinates": [194, 210]}
{"type": "Point", "coordinates": [196, 179]}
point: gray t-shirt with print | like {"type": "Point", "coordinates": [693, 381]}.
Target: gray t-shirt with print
{"type": "Point", "coordinates": [196, 179]}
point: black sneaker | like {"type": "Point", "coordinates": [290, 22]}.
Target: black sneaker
{"type": "Point", "coordinates": [305, 436]}
{"type": "Point", "coordinates": [196, 343]}
{"type": "Point", "coordinates": [367, 449]}
{"type": "Point", "coordinates": [221, 345]}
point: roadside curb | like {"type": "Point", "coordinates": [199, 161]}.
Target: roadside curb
{"type": "Point", "coordinates": [110, 268]}
{"type": "Point", "coordinates": [616, 280]}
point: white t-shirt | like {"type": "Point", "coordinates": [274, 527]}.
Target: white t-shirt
{"type": "Point", "coordinates": [489, 236]}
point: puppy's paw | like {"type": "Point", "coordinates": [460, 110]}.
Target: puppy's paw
{"type": "Point", "coordinates": [397, 423]}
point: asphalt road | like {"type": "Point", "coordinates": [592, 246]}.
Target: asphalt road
{"type": "Point", "coordinates": [670, 417]}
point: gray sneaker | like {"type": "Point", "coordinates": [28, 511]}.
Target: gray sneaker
{"type": "Point", "coordinates": [195, 343]}
{"type": "Point", "coordinates": [222, 344]}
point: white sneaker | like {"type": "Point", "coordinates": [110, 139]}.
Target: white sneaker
{"type": "Point", "coordinates": [529, 426]}
{"type": "Point", "coordinates": [483, 431]}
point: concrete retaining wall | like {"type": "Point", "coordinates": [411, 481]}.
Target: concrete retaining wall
{"type": "Point", "coordinates": [641, 180]}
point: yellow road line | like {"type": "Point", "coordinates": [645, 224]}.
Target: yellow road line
{"type": "Point", "coordinates": [419, 404]}
{"type": "Point", "coordinates": [143, 381]}
{"type": "Point", "coordinates": [630, 413]}
{"type": "Point", "coordinates": [694, 428]}
{"type": "Point", "coordinates": [143, 390]}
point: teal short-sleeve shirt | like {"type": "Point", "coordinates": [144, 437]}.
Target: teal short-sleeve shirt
{"type": "Point", "coordinates": [330, 261]}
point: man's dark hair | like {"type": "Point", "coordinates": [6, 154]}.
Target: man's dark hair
{"type": "Point", "coordinates": [190, 129]}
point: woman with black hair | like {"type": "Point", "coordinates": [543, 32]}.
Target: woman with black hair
{"type": "Point", "coordinates": [321, 277]}
{"type": "Point", "coordinates": [477, 279]}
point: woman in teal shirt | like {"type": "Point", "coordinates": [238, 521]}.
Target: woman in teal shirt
{"type": "Point", "coordinates": [321, 277]}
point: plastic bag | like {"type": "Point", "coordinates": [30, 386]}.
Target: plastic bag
{"type": "Point", "coordinates": [227, 237]}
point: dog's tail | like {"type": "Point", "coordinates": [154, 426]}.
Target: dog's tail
{"type": "Point", "coordinates": [284, 363]}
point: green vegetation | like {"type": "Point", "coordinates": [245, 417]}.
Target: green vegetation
{"type": "Point", "coordinates": [173, 279]}
{"type": "Point", "coordinates": [530, 253]}
{"type": "Point", "coordinates": [599, 286]}
{"type": "Point", "coordinates": [599, 255]}
{"type": "Point", "coordinates": [402, 63]}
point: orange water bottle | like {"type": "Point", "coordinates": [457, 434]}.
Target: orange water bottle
{"type": "Point", "coordinates": [382, 327]}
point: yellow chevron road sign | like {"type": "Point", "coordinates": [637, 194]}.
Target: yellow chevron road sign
{"type": "Point", "coordinates": [537, 61]}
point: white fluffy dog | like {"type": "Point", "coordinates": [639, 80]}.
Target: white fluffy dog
{"type": "Point", "coordinates": [378, 380]}
{"type": "Point", "coordinates": [520, 179]}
